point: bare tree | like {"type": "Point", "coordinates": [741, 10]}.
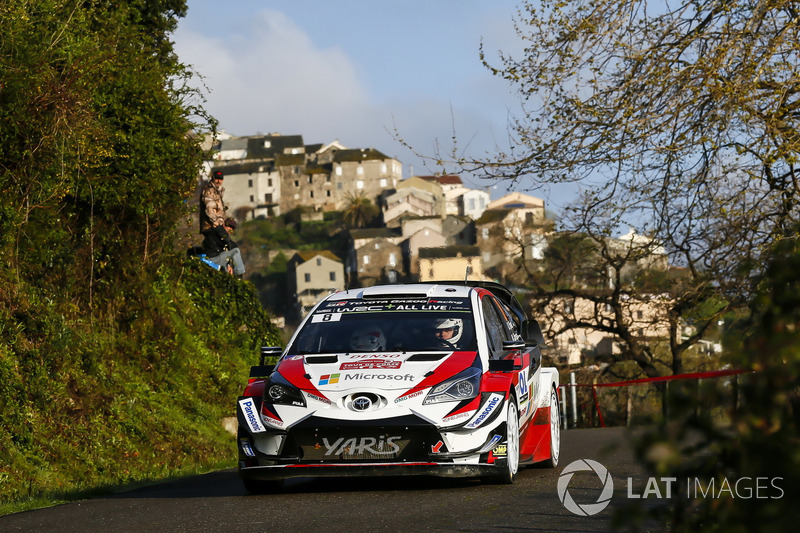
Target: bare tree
{"type": "Point", "coordinates": [679, 120]}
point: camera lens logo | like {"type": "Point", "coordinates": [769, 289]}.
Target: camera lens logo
{"type": "Point", "coordinates": [586, 509]}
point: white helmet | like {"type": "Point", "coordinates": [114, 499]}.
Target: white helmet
{"type": "Point", "coordinates": [368, 339]}
{"type": "Point", "coordinates": [456, 324]}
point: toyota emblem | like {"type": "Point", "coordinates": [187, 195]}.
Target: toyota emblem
{"type": "Point", "coordinates": [362, 403]}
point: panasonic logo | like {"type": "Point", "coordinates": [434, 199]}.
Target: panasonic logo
{"type": "Point", "coordinates": [490, 406]}
{"type": "Point", "coordinates": [248, 407]}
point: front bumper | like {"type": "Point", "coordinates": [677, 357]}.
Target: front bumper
{"type": "Point", "coordinates": [455, 470]}
{"type": "Point", "coordinates": [403, 446]}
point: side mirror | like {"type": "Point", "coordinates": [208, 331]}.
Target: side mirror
{"type": "Point", "coordinates": [513, 345]}
{"type": "Point", "coordinates": [270, 351]}
{"type": "Point", "coordinates": [532, 333]}
{"type": "Point", "coordinates": [504, 365]}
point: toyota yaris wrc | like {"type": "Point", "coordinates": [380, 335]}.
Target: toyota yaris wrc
{"type": "Point", "coordinates": [439, 379]}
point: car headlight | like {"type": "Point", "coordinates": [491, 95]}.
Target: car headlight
{"type": "Point", "coordinates": [464, 386]}
{"type": "Point", "coordinates": [279, 391]}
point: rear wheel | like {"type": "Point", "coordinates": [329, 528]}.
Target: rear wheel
{"type": "Point", "coordinates": [555, 431]}
{"type": "Point", "coordinates": [509, 473]}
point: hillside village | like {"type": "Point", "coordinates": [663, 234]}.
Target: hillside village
{"type": "Point", "coordinates": [429, 227]}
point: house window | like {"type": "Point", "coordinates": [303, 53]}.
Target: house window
{"type": "Point", "coordinates": [360, 170]}
{"type": "Point", "coordinates": [252, 199]}
{"type": "Point", "coordinates": [296, 183]}
{"type": "Point", "coordinates": [308, 278]}
{"type": "Point", "coordinates": [339, 186]}
{"type": "Point", "coordinates": [333, 276]}
{"type": "Point", "coordinates": [338, 171]}
{"type": "Point", "coordinates": [250, 183]}
{"type": "Point", "coordinates": [268, 198]}
{"type": "Point", "coordinates": [319, 261]}
{"type": "Point", "coordinates": [269, 182]}
{"type": "Point", "coordinates": [310, 179]}
{"type": "Point", "coordinates": [471, 204]}
{"type": "Point", "coordinates": [359, 184]}
{"type": "Point", "coordinates": [267, 144]}
{"type": "Point", "coordinates": [328, 194]}
{"type": "Point", "coordinates": [383, 182]}
{"type": "Point", "coordinates": [311, 194]}
{"type": "Point", "coordinates": [383, 168]}
{"type": "Point", "coordinates": [366, 259]}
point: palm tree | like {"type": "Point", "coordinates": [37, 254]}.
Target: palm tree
{"type": "Point", "coordinates": [360, 211]}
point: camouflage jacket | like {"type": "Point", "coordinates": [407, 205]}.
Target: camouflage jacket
{"type": "Point", "coordinates": [212, 208]}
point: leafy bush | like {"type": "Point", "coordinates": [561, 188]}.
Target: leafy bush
{"type": "Point", "coordinates": [91, 404]}
{"type": "Point", "coordinates": [760, 442]}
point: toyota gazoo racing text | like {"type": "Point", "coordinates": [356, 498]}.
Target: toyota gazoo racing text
{"type": "Point", "coordinates": [430, 379]}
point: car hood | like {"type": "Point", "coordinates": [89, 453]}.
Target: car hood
{"type": "Point", "coordinates": [381, 371]}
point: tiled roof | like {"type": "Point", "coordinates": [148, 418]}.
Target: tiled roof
{"type": "Point", "coordinates": [492, 215]}
{"type": "Point", "coordinates": [449, 251]}
{"type": "Point", "coordinates": [250, 167]}
{"type": "Point", "coordinates": [308, 255]}
{"type": "Point", "coordinates": [448, 179]}
{"type": "Point", "coordinates": [362, 154]}
{"type": "Point", "coordinates": [289, 159]}
{"type": "Point", "coordinates": [374, 233]}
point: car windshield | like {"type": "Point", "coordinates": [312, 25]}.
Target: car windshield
{"type": "Point", "coordinates": [387, 326]}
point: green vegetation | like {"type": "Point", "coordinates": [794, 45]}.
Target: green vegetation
{"type": "Point", "coordinates": [290, 232]}
{"type": "Point", "coordinates": [117, 402]}
{"type": "Point", "coordinates": [760, 442]}
{"type": "Point", "coordinates": [118, 355]}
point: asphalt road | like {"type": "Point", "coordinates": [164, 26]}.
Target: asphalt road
{"type": "Point", "coordinates": [218, 502]}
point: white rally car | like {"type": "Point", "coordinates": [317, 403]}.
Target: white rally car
{"type": "Point", "coordinates": [439, 379]}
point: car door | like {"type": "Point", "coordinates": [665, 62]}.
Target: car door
{"type": "Point", "coordinates": [528, 378]}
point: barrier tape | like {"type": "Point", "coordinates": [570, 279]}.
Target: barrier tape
{"type": "Point", "coordinates": [691, 375]}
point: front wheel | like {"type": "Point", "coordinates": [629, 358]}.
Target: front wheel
{"type": "Point", "coordinates": [555, 431]}
{"type": "Point", "coordinates": [509, 472]}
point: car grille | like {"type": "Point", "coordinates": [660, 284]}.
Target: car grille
{"type": "Point", "coordinates": [380, 444]}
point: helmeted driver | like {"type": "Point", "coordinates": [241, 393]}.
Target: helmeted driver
{"type": "Point", "coordinates": [448, 331]}
{"type": "Point", "coordinates": [368, 339]}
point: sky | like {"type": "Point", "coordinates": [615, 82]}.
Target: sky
{"type": "Point", "coordinates": [363, 72]}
